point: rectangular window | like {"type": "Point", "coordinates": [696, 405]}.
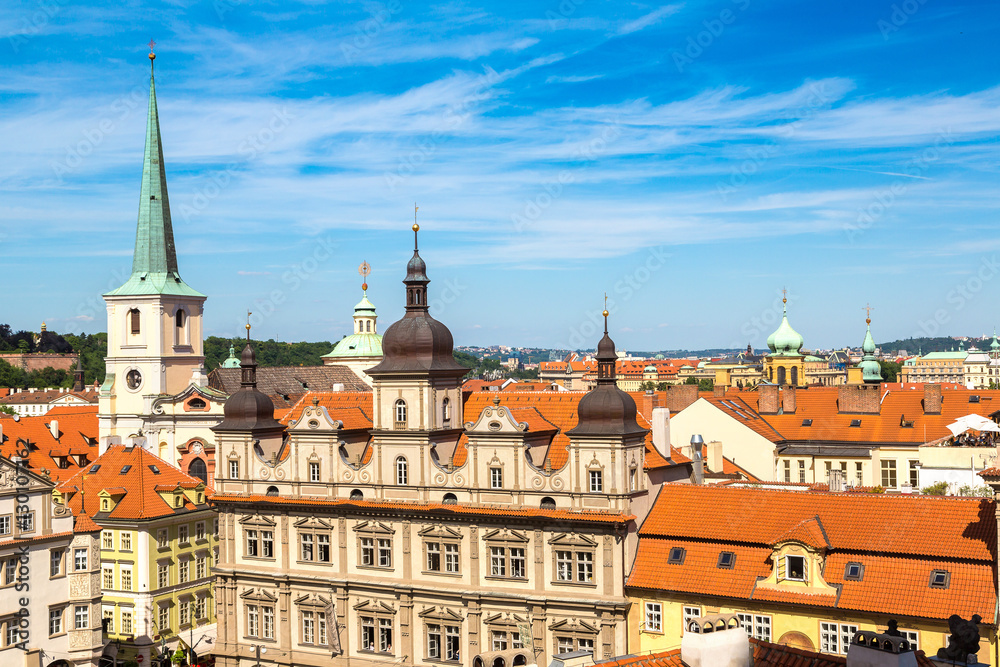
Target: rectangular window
{"type": "Point", "coordinates": [914, 474]}
{"type": "Point", "coordinates": [55, 562]}
{"type": "Point", "coordinates": [654, 617]}
{"type": "Point", "coordinates": [307, 546]}
{"type": "Point", "coordinates": [564, 645]}
{"type": "Point", "coordinates": [368, 552]}
{"type": "Point", "coordinates": [10, 571]}
{"type": "Point", "coordinates": [795, 568]}
{"type": "Point", "coordinates": [184, 609]}
{"type": "Point", "coordinates": [321, 624]}
{"type": "Point", "coordinates": [5, 524]}
{"type": "Point", "coordinates": [496, 478]}
{"type": "Point", "coordinates": [162, 538]}
{"type": "Point", "coordinates": [585, 644]}
{"type": "Point", "coordinates": [109, 620]}
{"type": "Point", "coordinates": [182, 534]}
{"type": "Point", "coordinates": [689, 614]}
{"type": "Point", "coordinates": [108, 581]}
{"type": "Point", "coordinates": [434, 642]}
{"type": "Point", "coordinates": [498, 562]}
{"type": "Point", "coordinates": [313, 471]}
{"type": "Point", "coordinates": [80, 560]}
{"type": "Point", "coordinates": [82, 617]}
{"type": "Point", "coordinates": [126, 578]}
{"type": "Point", "coordinates": [384, 553]}
{"type": "Point", "coordinates": [253, 546]}
{"type": "Point", "coordinates": [268, 622]}
{"type": "Point", "coordinates": [183, 571]}
{"type": "Point", "coordinates": [199, 608]}
{"type": "Point", "coordinates": [267, 543]}
{"type": "Point", "coordinates": [564, 565]}
{"type": "Point", "coordinates": [858, 472]}
{"type": "Point", "coordinates": [253, 621]}
{"type": "Point", "coordinates": [518, 568]}
{"type": "Point", "coordinates": [889, 474]}
{"type": "Point", "coordinates": [802, 471]}
{"type": "Point", "coordinates": [308, 627]}
{"type": "Point", "coordinates": [26, 522]}
{"type": "Point", "coordinates": [12, 633]}
{"type": "Point", "coordinates": [163, 575]}
{"type": "Point", "coordinates": [323, 548]}
{"type": "Point", "coordinates": [434, 556]}
{"type": "Point", "coordinates": [451, 559]}
{"type": "Point", "coordinates": [788, 471]}
{"type": "Point", "coordinates": [199, 531]}
{"type": "Point", "coordinates": [596, 481]}
{"type": "Point", "coordinates": [756, 625]}
{"type": "Point", "coordinates": [163, 619]}
{"type": "Point", "coordinates": [126, 537]}
{"type": "Point", "coordinates": [499, 640]}
{"type": "Point", "coordinates": [55, 621]}
{"type": "Point", "coordinates": [584, 566]}
{"type": "Point", "coordinates": [452, 641]}
{"type": "Point", "coordinates": [835, 637]}
{"type": "Point", "coordinates": [234, 469]}
{"type": "Point", "coordinates": [913, 637]}
{"type": "Point", "coordinates": [829, 467]}
{"type": "Point", "coordinates": [107, 539]}
{"type": "Point", "coordinates": [385, 635]}
{"type": "Point", "coordinates": [367, 633]}
{"type": "Point", "coordinates": [200, 568]}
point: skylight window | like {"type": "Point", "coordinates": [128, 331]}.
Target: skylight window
{"type": "Point", "coordinates": [94, 468]}
{"type": "Point", "coordinates": [676, 556]}
{"type": "Point", "coordinates": [125, 469]}
{"type": "Point", "coordinates": [807, 422]}
{"type": "Point", "coordinates": [974, 398]}
{"type": "Point", "coordinates": [726, 560]}
{"type": "Point", "coordinates": [156, 471]}
{"type": "Point", "coordinates": [855, 423]}
{"type": "Point", "coordinates": [854, 571]}
{"type": "Point", "coordinates": [940, 579]}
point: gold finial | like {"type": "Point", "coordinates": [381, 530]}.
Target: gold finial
{"type": "Point", "coordinates": [605, 304]}
{"type": "Point", "coordinates": [248, 325]}
{"type": "Point", "coordinates": [152, 56]}
{"type": "Point", "coordinates": [43, 327]}
{"type": "Point", "coordinates": [416, 227]}
{"type": "Point", "coordinates": [784, 295]}
{"type": "Point", "coordinates": [364, 269]}
{"type": "Point", "coordinates": [868, 314]}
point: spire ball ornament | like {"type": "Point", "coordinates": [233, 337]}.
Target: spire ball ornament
{"type": "Point", "coordinates": [416, 227]}
{"type": "Point", "coordinates": [152, 56]}
{"type": "Point", "coordinates": [605, 313]}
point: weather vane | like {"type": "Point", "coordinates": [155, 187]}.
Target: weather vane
{"type": "Point", "coordinates": [248, 325]}
{"type": "Point", "coordinates": [364, 270]}
{"type": "Point", "coordinates": [784, 295]}
{"type": "Point", "coordinates": [152, 56]}
{"type": "Point", "coordinates": [868, 314]}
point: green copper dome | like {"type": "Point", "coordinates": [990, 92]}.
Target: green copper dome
{"type": "Point", "coordinates": [871, 370]}
{"type": "Point", "coordinates": [232, 361]}
{"type": "Point", "coordinates": [785, 340]}
{"type": "Point", "coordinates": [995, 345]}
{"type": "Point", "coordinates": [365, 342]}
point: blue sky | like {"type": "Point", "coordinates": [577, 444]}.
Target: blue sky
{"type": "Point", "coordinates": [689, 159]}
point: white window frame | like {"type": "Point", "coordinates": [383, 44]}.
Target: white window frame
{"type": "Point", "coordinates": [596, 481]}
{"type": "Point", "coordinates": [688, 614]}
{"type": "Point", "coordinates": [402, 471]}
{"type": "Point", "coordinates": [758, 626]}
{"type": "Point", "coordinates": [653, 617]}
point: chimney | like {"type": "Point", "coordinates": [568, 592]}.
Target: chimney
{"type": "Point", "coordinates": [788, 400]}
{"type": "Point", "coordinates": [661, 432]}
{"type": "Point", "coordinates": [679, 396]}
{"type": "Point", "coordinates": [54, 429]}
{"type": "Point", "coordinates": [860, 399]}
{"type": "Point", "coordinates": [716, 640]}
{"type": "Point", "coordinates": [767, 399]}
{"type": "Point", "coordinates": [872, 649]}
{"type": "Point", "coordinates": [650, 401]}
{"type": "Point", "coordinates": [932, 399]}
{"type": "Point", "coordinates": [699, 463]}
{"type": "Point", "coordinates": [719, 390]}
{"type": "Point", "coordinates": [713, 456]}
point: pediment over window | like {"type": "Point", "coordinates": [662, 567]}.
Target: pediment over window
{"type": "Point", "coordinates": [313, 601]}
{"type": "Point", "coordinates": [315, 418]}
{"type": "Point", "coordinates": [374, 527]}
{"type": "Point", "coordinates": [505, 618]}
{"type": "Point", "coordinates": [441, 614]}
{"type": "Point", "coordinates": [257, 520]}
{"type": "Point", "coordinates": [441, 532]}
{"type": "Point", "coordinates": [375, 607]}
{"type": "Point", "coordinates": [573, 539]}
{"type": "Point", "coordinates": [313, 522]}
{"type": "Point", "coordinates": [505, 535]}
{"type": "Point", "coordinates": [574, 625]}
{"type": "Point", "coordinates": [496, 419]}
{"type": "Point", "coordinates": [258, 594]}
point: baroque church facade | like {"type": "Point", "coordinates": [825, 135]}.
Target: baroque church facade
{"type": "Point", "coordinates": [437, 536]}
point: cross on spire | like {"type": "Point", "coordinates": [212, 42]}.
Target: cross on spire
{"type": "Point", "coordinates": [868, 313]}
{"type": "Point", "coordinates": [151, 45]}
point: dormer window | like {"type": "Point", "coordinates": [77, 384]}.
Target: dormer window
{"type": "Point", "coordinates": [807, 422]}
{"type": "Point", "coordinates": [795, 568]}
{"type": "Point", "coordinates": [105, 505]}
{"type": "Point", "coordinates": [179, 501]}
{"type": "Point", "coordinates": [856, 423]}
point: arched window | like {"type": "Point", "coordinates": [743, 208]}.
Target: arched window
{"type": "Point", "coordinates": [179, 318]}
{"type": "Point", "coordinates": [199, 469]}
{"type": "Point", "coordinates": [196, 404]}
{"type": "Point", "coordinates": [446, 410]}
{"type": "Point", "coordinates": [548, 503]}
{"type": "Point", "coordinates": [795, 375]}
{"type": "Point", "coordinates": [368, 326]}
{"type": "Point", "coordinates": [401, 472]}
{"type": "Point", "coordinates": [450, 499]}
{"type": "Point", "coordinates": [133, 318]}
{"type": "Point", "coordinates": [781, 375]}
{"type": "Point", "coordinates": [272, 490]}
{"type": "Point", "coordinates": [400, 413]}
{"type": "Point", "coordinates": [357, 494]}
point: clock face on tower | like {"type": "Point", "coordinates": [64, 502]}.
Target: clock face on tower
{"type": "Point", "coordinates": [133, 379]}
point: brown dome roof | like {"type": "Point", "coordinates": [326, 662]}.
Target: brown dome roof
{"type": "Point", "coordinates": [248, 409]}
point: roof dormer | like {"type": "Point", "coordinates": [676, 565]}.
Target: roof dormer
{"type": "Point", "coordinates": [110, 497]}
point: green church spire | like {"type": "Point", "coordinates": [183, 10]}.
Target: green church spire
{"type": "Point", "coordinates": [154, 263]}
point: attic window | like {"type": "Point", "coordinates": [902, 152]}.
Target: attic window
{"type": "Point", "coordinates": [974, 398]}
{"type": "Point", "coordinates": [855, 423]}
{"type": "Point", "coordinates": [104, 505]}
{"type": "Point", "coordinates": [156, 471]}
{"type": "Point", "coordinates": [179, 501]}
{"type": "Point", "coordinates": [904, 422]}
{"type": "Point", "coordinates": [854, 571]}
{"type": "Point", "coordinates": [807, 422]}
{"type": "Point", "coordinates": [940, 579]}
{"type": "Point", "coordinates": [196, 403]}
{"type": "Point", "coordinates": [726, 560]}
{"type": "Point", "coordinates": [94, 468]}
{"type": "Point", "coordinates": [676, 556]}
{"type": "Point", "coordinates": [795, 568]}
{"type": "Point", "coordinates": [125, 469]}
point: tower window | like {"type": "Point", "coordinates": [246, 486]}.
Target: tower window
{"type": "Point", "coordinates": [368, 326]}
{"type": "Point", "coordinates": [402, 476]}
{"type": "Point", "coordinates": [133, 318]}
{"type": "Point", "coordinates": [446, 410]}
{"type": "Point", "coordinates": [180, 319]}
{"type": "Point", "coordinates": [400, 410]}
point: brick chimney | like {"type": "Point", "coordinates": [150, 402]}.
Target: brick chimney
{"type": "Point", "coordinates": [767, 399]}
{"type": "Point", "coordinates": [679, 396]}
{"type": "Point", "coordinates": [788, 399]}
{"type": "Point", "coordinates": [650, 401]}
{"type": "Point", "coordinates": [859, 399]}
{"type": "Point", "coordinates": [719, 390]}
{"type": "Point", "coordinates": [932, 399]}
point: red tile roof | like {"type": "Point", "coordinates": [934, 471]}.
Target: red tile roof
{"type": "Point", "coordinates": [47, 396]}
{"type": "Point", "coordinates": [84, 524]}
{"type": "Point", "coordinates": [77, 429]}
{"type": "Point", "coordinates": [354, 408]}
{"type": "Point", "coordinates": [139, 485]}
{"type": "Point", "coordinates": [670, 658]}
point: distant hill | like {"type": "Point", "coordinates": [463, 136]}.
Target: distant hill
{"type": "Point", "coordinates": [925, 345]}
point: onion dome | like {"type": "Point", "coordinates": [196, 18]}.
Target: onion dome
{"type": "Point", "coordinates": [785, 340]}
{"type": "Point", "coordinates": [871, 370]}
{"type": "Point", "coordinates": [247, 409]}
{"type": "Point", "coordinates": [417, 344]}
{"type": "Point", "coordinates": [606, 410]}
{"type": "Point", "coordinates": [232, 361]}
{"type": "Point", "coordinates": [995, 345]}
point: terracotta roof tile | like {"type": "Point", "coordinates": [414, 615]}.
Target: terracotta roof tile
{"type": "Point", "coordinates": [77, 430]}
{"type": "Point", "coordinates": [670, 658]}
{"type": "Point", "coordinates": [354, 408]}
{"type": "Point", "coordinates": [84, 524]}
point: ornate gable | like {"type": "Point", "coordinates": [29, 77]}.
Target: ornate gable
{"type": "Point", "coordinates": [496, 419]}
{"type": "Point", "coordinates": [258, 594]}
{"type": "Point", "coordinates": [257, 520]}
{"type": "Point", "coordinates": [505, 535]}
{"type": "Point", "coordinates": [375, 607]}
{"type": "Point", "coordinates": [374, 527]}
{"type": "Point", "coordinates": [573, 539]}
{"type": "Point", "coordinates": [315, 418]}
{"type": "Point", "coordinates": [440, 531]}
{"type": "Point", "coordinates": [441, 614]}
{"type": "Point", "coordinates": [313, 522]}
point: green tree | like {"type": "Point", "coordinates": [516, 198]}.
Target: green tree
{"type": "Point", "coordinates": [938, 489]}
{"type": "Point", "coordinates": [891, 370]}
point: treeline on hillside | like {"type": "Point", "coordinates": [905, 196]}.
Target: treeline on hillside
{"type": "Point", "coordinates": [925, 345]}
{"type": "Point", "coordinates": [268, 352]}
{"type": "Point", "coordinates": [490, 368]}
